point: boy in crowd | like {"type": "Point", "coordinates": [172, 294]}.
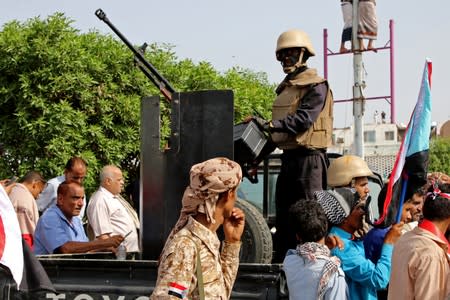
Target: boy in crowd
{"type": "Point", "coordinates": [311, 272]}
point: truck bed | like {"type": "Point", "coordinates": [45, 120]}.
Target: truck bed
{"type": "Point", "coordinates": [135, 279]}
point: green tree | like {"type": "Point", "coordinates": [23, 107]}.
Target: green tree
{"type": "Point", "coordinates": [66, 93]}
{"type": "Point", "coordinates": [440, 155]}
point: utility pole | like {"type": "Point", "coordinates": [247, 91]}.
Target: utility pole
{"type": "Point", "coordinates": [358, 99]}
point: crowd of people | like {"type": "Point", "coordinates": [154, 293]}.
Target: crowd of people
{"type": "Point", "coordinates": [50, 213]}
{"type": "Point", "coordinates": [398, 262]}
{"type": "Point", "coordinates": [208, 203]}
{"type": "Point", "coordinates": [338, 254]}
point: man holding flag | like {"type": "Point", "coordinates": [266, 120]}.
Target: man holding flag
{"type": "Point", "coordinates": [420, 261]}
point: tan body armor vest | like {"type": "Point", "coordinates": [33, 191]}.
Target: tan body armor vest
{"type": "Point", "coordinates": [318, 136]}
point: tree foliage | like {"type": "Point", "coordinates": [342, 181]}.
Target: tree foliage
{"type": "Point", "coordinates": [66, 93]}
{"type": "Point", "coordinates": [440, 155]}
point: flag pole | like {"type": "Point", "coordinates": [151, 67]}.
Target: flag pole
{"type": "Point", "coordinates": [358, 98]}
{"type": "Point", "coordinates": [402, 197]}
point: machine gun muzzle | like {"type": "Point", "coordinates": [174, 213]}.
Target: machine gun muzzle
{"type": "Point", "coordinates": [147, 68]}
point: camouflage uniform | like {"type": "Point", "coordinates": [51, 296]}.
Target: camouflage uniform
{"type": "Point", "coordinates": [178, 264]}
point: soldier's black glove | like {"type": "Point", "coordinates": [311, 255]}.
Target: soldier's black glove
{"type": "Point", "coordinates": [262, 124]}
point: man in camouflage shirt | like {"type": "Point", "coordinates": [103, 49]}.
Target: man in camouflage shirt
{"type": "Point", "coordinates": [208, 202]}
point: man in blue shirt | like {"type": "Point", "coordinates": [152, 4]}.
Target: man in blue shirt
{"type": "Point", "coordinates": [345, 211]}
{"type": "Point", "coordinates": [74, 171]}
{"type": "Point", "coordinates": [57, 231]}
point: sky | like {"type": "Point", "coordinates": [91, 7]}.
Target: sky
{"type": "Point", "coordinates": [244, 33]}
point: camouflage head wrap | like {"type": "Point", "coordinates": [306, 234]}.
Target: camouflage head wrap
{"type": "Point", "coordinates": [207, 181]}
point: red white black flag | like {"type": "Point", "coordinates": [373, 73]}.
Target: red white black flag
{"type": "Point", "coordinates": [11, 252]}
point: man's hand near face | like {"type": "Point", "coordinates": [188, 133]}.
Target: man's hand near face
{"type": "Point", "coordinates": [233, 226]}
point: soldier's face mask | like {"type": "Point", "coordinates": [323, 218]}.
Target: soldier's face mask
{"type": "Point", "coordinates": [290, 59]}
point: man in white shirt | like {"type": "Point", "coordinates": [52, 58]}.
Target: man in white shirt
{"type": "Point", "coordinates": [109, 214]}
{"type": "Point", "coordinates": [74, 171]}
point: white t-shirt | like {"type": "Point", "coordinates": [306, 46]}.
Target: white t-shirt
{"type": "Point", "coordinates": [107, 215]}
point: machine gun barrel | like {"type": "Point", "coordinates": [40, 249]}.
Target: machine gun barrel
{"type": "Point", "coordinates": [149, 70]}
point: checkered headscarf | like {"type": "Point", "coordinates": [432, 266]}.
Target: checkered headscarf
{"type": "Point", "coordinates": [337, 203]}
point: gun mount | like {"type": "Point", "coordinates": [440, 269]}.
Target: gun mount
{"type": "Point", "coordinates": [201, 128]}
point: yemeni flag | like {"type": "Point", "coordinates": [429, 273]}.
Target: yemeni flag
{"type": "Point", "coordinates": [11, 251]}
{"type": "Point", "coordinates": [411, 164]}
{"type": "Point", "coordinates": [177, 290]}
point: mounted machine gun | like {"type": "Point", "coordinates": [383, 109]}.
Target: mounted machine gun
{"type": "Point", "coordinates": [147, 68]}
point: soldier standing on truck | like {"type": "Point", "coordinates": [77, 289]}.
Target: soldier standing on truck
{"type": "Point", "coordinates": [301, 125]}
{"type": "Point", "coordinates": [191, 265]}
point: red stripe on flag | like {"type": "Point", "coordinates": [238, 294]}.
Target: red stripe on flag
{"type": "Point", "coordinates": [430, 70]}
{"type": "Point", "coordinates": [2, 237]}
{"type": "Point", "coordinates": [395, 176]}
{"type": "Point", "coordinates": [178, 286]}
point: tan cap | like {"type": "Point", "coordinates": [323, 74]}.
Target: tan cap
{"type": "Point", "coordinates": [295, 38]}
{"type": "Point", "coordinates": [345, 168]}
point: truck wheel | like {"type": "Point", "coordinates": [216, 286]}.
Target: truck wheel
{"type": "Point", "coordinates": [256, 239]}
